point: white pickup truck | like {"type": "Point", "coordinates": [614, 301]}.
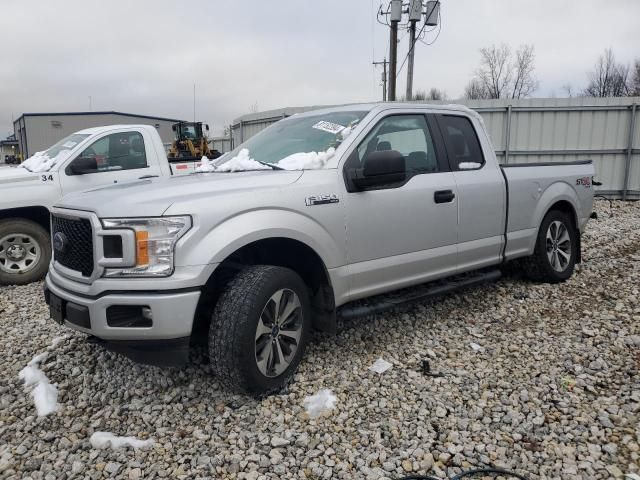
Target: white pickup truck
{"type": "Point", "coordinates": [87, 159]}
{"type": "Point", "coordinates": [296, 225]}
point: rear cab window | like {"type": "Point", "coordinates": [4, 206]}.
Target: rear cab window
{"type": "Point", "coordinates": [461, 140]}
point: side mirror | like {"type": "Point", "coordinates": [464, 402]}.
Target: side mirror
{"type": "Point", "coordinates": [379, 168]}
{"type": "Point", "coordinates": [173, 127]}
{"type": "Point", "coordinates": [206, 126]}
{"type": "Point", "coordinates": [83, 165]}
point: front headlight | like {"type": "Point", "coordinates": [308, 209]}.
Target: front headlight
{"type": "Point", "coordinates": [155, 242]}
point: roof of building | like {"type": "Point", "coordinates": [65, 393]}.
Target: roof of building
{"type": "Point", "coordinates": [111, 112]}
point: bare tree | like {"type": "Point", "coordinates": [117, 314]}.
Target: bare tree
{"type": "Point", "coordinates": [475, 90]}
{"type": "Point", "coordinates": [524, 80]}
{"type": "Point", "coordinates": [567, 88]}
{"type": "Point", "coordinates": [500, 75]}
{"type": "Point", "coordinates": [635, 82]}
{"type": "Point", "coordinates": [494, 72]}
{"type": "Point", "coordinates": [419, 95]}
{"type": "Point", "coordinates": [608, 78]}
{"type": "Point", "coordinates": [436, 94]}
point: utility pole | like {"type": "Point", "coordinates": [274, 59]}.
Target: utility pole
{"type": "Point", "coordinates": [384, 78]}
{"type": "Point", "coordinates": [412, 42]}
{"type": "Point", "coordinates": [90, 103]}
{"type": "Point", "coordinates": [194, 103]}
{"type": "Point", "coordinates": [395, 17]}
{"type": "Point", "coordinates": [415, 15]}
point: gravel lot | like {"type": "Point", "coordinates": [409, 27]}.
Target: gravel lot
{"type": "Point", "coordinates": [553, 393]}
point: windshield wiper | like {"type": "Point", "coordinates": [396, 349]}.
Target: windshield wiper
{"type": "Point", "coordinates": [275, 167]}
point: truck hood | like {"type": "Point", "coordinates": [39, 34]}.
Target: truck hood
{"type": "Point", "coordinates": [152, 197]}
{"type": "Point", "coordinates": [16, 176]}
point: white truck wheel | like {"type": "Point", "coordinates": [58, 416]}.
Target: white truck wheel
{"type": "Point", "coordinates": [25, 251]}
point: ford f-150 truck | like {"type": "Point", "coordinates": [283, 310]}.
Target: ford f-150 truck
{"type": "Point", "coordinates": [86, 159]}
{"type": "Point", "coordinates": [289, 230]}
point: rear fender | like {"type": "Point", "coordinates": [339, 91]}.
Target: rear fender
{"type": "Point", "coordinates": [556, 192]}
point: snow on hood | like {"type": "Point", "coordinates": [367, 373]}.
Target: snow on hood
{"type": "Point", "coordinates": [41, 162]}
{"type": "Point", "coordinates": [295, 161]}
{"type": "Point", "coordinates": [307, 160]}
{"type": "Point", "coordinates": [240, 162]}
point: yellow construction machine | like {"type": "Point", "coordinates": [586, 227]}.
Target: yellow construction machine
{"type": "Point", "coordinates": [191, 143]}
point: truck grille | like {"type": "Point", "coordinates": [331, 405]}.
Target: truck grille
{"type": "Point", "coordinates": [75, 251]}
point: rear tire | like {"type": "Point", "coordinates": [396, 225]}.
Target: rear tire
{"type": "Point", "coordinates": [259, 329]}
{"type": "Point", "coordinates": [555, 254]}
{"type": "Point", "coordinates": [25, 251]}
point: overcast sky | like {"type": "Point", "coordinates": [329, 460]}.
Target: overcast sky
{"type": "Point", "coordinates": [145, 56]}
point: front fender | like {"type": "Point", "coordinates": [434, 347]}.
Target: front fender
{"type": "Point", "coordinates": [235, 232]}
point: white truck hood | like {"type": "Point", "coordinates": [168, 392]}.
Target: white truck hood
{"type": "Point", "coordinates": [152, 197]}
{"type": "Point", "coordinates": [16, 176]}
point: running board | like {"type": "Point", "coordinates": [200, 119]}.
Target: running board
{"type": "Point", "coordinates": [388, 301]}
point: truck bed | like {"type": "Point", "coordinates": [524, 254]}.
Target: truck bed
{"type": "Point", "coordinates": [540, 184]}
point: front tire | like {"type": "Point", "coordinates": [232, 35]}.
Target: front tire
{"type": "Point", "coordinates": [25, 251]}
{"type": "Point", "coordinates": [555, 254]}
{"type": "Point", "coordinates": [259, 329]}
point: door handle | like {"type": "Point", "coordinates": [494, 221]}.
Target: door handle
{"type": "Point", "coordinates": [444, 196]}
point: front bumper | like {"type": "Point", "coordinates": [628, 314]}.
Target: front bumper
{"type": "Point", "coordinates": [171, 322]}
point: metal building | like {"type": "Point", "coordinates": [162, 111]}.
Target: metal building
{"type": "Point", "coordinates": [38, 131]}
{"type": "Point", "coordinates": [605, 130]}
{"type": "Point", "coordinates": [8, 148]}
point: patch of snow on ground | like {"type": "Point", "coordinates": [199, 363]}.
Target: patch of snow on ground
{"type": "Point", "coordinates": [320, 403]}
{"type": "Point", "coordinates": [44, 394]}
{"type": "Point", "coordinates": [41, 162]}
{"type": "Point", "coordinates": [380, 366]}
{"type": "Point", "coordinates": [306, 160]}
{"type": "Point", "coordinates": [242, 161]}
{"type": "Point", "coordinates": [103, 440]}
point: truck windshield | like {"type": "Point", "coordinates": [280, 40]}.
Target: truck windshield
{"type": "Point", "coordinates": [295, 143]}
{"type": "Point", "coordinates": [66, 143]}
{"type": "Point", "coordinates": [43, 161]}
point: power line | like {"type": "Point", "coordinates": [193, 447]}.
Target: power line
{"type": "Point", "coordinates": [412, 46]}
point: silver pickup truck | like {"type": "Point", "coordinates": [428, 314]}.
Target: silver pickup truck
{"type": "Point", "coordinates": [291, 229]}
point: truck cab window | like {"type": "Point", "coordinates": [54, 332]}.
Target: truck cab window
{"type": "Point", "coordinates": [407, 134]}
{"type": "Point", "coordinates": [462, 143]}
{"type": "Point", "coordinates": [118, 151]}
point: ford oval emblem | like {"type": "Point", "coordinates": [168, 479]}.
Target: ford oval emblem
{"type": "Point", "coordinates": [60, 242]}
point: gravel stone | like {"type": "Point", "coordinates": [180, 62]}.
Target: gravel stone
{"type": "Point", "coordinates": [554, 393]}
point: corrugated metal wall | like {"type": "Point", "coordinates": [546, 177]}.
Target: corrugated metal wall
{"type": "Point", "coordinates": [222, 144]}
{"type": "Point", "coordinates": [605, 130]}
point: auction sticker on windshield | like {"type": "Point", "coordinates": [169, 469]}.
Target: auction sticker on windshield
{"type": "Point", "coordinates": [328, 126]}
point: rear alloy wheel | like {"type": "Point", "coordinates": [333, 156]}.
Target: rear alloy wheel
{"type": "Point", "coordinates": [558, 246]}
{"type": "Point", "coordinates": [555, 254]}
{"type": "Point", "coordinates": [25, 251]}
{"type": "Point", "coordinates": [259, 329]}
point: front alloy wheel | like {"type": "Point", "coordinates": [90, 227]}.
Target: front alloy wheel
{"type": "Point", "coordinates": [278, 333]}
{"type": "Point", "coordinates": [259, 329]}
